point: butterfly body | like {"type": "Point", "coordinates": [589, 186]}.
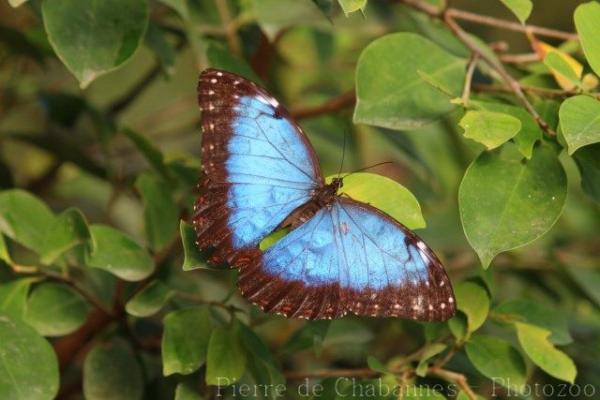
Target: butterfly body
{"type": "Point", "coordinates": [260, 174]}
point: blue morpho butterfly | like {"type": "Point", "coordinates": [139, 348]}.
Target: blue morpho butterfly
{"type": "Point", "coordinates": [341, 256]}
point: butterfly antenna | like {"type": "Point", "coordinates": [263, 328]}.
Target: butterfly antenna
{"type": "Point", "coordinates": [343, 153]}
{"type": "Point", "coordinates": [369, 167]}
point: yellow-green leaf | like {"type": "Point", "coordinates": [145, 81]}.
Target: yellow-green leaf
{"type": "Point", "coordinates": [491, 129]}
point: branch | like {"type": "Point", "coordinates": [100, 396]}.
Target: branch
{"type": "Point", "coordinates": [337, 103]}
{"type": "Point", "coordinates": [499, 68]}
{"type": "Point", "coordinates": [544, 92]}
{"type": "Point", "coordinates": [519, 58]}
{"type": "Point", "coordinates": [469, 78]}
{"type": "Point", "coordinates": [455, 377]}
{"type": "Point", "coordinates": [230, 28]}
{"type": "Point", "coordinates": [511, 26]}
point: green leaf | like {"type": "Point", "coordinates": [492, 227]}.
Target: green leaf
{"type": "Point", "coordinates": [4, 254]}
{"type": "Point", "coordinates": [164, 51]}
{"type": "Point", "coordinates": [149, 300]}
{"type": "Point", "coordinates": [13, 297]}
{"type": "Point", "coordinates": [392, 94]}
{"type": "Point", "coordinates": [161, 214]}
{"type": "Point", "coordinates": [377, 365]}
{"type": "Point", "coordinates": [421, 393]}
{"type": "Point", "coordinates": [28, 365]}
{"type": "Point", "coordinates": [193, 258]}
{"type": "Point", "coordinates": [262, 364]}
{"type": "Point", "coordinates": [498, 360]}
{"type": "Point", "coordinates": [580, 121]}
{"type": "Point", "coordinates": [520, 8]}
{"type": "Point", "coordinates": [181, 6]}
{"type": "Point", "coordinates": [586, 18]}
{"type": "Point", "coordinates": [93, 37]}
{"type": "Point", "coordinates": [221, 58]}
{"type": "Point", "coordinates": [24, 218]}
{"type": "Point", "coordinates": [185, 340]}
{"type": "Point", "coordinates": [588, 162]}
{"type": "Point", "coordinates": [558, 64]}
{"type": "Point", "coordinates": [152, 154]}
{"type": "Point", "coordinates": [530, 131]}
{"type": "Point", "coordinates": [311, 334]}
{"type": "Point", "coordinates": [535, 313]}
{"type": "Point", "coordinates": [118, 254]}
{"type": "Point", "coordinates": [68, 230]}
{"type": "Point", "coordinates": [588, 280]}
{"type": "Point", "coordinates": [433, 82]}
{"type": "Point", "coordinates": [491, 129]}
{"type": "Point", "coordinates": [226, 359]}
{"type": "Point", "coordinates": [350, 6]}
{"type": "Point", "coordinates": [430, 351]}
{"type": "Point", "coordinates": [385, 194]}
{"type": "Point", "coordinates": [534, 341]}
{"type": "Point", "coordinates": [111, 371]}
{"type": "Point", "coordinates": [54, 309]}
{"type": "Point", "coordinates": [473, 300]}
{"type": "Point", "coordinates": [275, 15]}
{"type": "Point", "coordinates": [506, 202]}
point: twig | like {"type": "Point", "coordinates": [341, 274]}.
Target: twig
{"type": "Point", "coordinates": [519, 58]}
{"type": "Point", "coordinates": [337, 103]}
{"type": "Point", "coordinates": [455, 377]}
{"type": "Point", "coordinates": [544, 92]}
{"type": "Point", "coordinates": [230, 28]}
{"type": "Point", "coordinates": [499, 68]}
{"type": "Point", "coordinates": [469, 78]}
{"type": "Point", "coordinates": [509, 25]}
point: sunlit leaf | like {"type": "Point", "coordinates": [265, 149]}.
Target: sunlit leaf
{"type": "Point", "coordinates": [530, 131]}
{"type": "Point", "coordinates": [521, 8]}
{"type": "Point", "coordinates": [185, 340]}
{"type": "Point", "coordinates": [580, 121]}
{"type": "Point", "coordinates": [93, 37]}
{"type": "Point", "coordinates": [562, 69]}
{"type": "Point", "coordinates": [111, 371]}
{"type": "Point", "coordinates": [118, 254]}
{"type": "Point", "coordinates": [534, 341]}
{"type": "Point", "coordinates": [350, 6]}
{"type": "Point", "coordinates": [16, 3]}
{"type": "Point", "coordinates": [586, 17]}
{"type": "Point", "coordinates": [491, 129]}
{"type": "Point", "coordinates": [385, 194]}
{"type": "Point", "coordinates": [28, 365]}
{"type": "Point", "coordinates": [473, 300]}
{"type": "Point", "coordinates": [506, 202]}
{"type": "Point", "coordinates": [55, 309]}
{"type": "Point", "coordinates": [392, 94]}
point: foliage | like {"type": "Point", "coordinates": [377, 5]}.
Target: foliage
{"type": "Point", "coordinates": [495, 149]}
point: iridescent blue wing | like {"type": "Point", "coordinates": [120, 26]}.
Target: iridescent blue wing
{"type": "Point", "coordinates": [258, 165]}
{"type": "Point", "coordinates": [349, 257]}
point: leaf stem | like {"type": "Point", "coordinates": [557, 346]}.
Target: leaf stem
{"type": "Point", "coordinates": [469, 78]}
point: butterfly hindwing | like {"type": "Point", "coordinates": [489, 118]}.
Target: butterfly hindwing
{"type": "Point", "coordinates": [349, 257]}
{"type": "Point", "coordinates": [258, 165]}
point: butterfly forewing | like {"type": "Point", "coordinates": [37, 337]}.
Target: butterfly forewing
{"type": "Point", "coordinates": [258, 165]}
